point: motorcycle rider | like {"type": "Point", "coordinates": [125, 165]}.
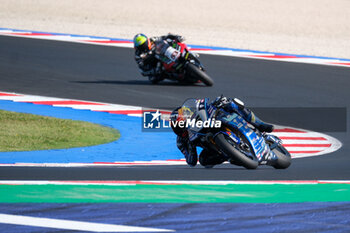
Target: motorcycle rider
{"type": "Point", "coordinates": [207, 157]}
{"type": "Point", "coordinates": [145, 55]}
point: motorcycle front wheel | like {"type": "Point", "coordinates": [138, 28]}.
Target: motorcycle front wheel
{"type": "Point", "coordinates": [197, 73]}
{"type": "Point", "coordinates": [283, 158]}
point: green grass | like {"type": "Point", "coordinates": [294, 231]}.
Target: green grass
{"type": "Point", "coordinates": [241, 193]}
{"type": "Point", "coordinates": [27, 132]}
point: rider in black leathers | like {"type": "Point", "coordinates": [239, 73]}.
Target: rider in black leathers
{"type": "Point", "coordinates": [145, 55]}
{"type": "Point", "coordinates": [208, 158]}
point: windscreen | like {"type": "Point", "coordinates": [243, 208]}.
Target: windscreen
{"type": "Point", "coordinates": [188, 108]}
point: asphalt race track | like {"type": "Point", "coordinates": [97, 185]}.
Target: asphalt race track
{"type": "Point", "coordinates": [109, 74]}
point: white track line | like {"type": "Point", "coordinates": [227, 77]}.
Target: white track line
{"type": "Point", "coordinates": [72, 225]}
{"type": "Point", "coordinates": [171, 182]}
{"type": "Point", "coordinates": [269, 56]}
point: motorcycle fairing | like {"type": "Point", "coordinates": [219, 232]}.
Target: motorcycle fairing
{"type": "Point", "coordinates": [260, 148]}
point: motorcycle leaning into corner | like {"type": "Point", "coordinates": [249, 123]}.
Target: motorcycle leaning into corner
{"type": "Point", "coordinates": [178, 63]}
{"type": "Point", "coordinates": [231, 137]}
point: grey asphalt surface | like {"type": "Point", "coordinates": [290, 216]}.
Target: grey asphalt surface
{"type": "Point", "coordinates": [108, 74]}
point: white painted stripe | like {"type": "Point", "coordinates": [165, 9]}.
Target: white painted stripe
{"type": "Point", "coordinates": [106, 107]}
{"type": "Point", "coordinates": [335, 181]}
{"type": "Point", "coordinates": [306, 142]}
{"type": "Point", "coordinates": [6, 98]}
{"type": "Point", "coordinates": [299, 156]}
{"type": "Point", "coordinates": [87, 39]}
{"type": "Point", "coordinates": [53, 165]}
{"type": "Point", "coordinates": [135, 115]}
{"type": "Point", "coordinates": [69, 106]}
{"type": "Point", "coordinates": [72, 225]}
{"type": "Point", "coordinates": [320, 61]}
{"type": "Point", "coordinates": [30, 98]}
{"type": "Point", "coordinates": [80, 106]}
{"type": "Point", "coordinates": [296, 148]}
{"type": "Point", "coordinates": [215, 182]}
{"type": "Point", "coordinates": [192, 182]}
{"type": "Point", "coordinates": [6, 31]}
{"type": "Point", "coordinates": [306, 134]}
{"type": "Point", "coordinates": [82, 40]}
{"type": "Point", "coordinates": [99, 107]}
{"type": "Point", "coordinates": [118, 164]}
{"type": "Point", "coordinates": [34, 98]}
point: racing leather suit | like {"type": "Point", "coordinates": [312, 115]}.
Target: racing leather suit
{"type": "Point", "coordinates": [147, 62]}
{"type": "Point", "coordinates": [207, 157]}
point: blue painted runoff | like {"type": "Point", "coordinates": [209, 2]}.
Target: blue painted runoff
{"type": "Point", "coordinates": [133, 145]}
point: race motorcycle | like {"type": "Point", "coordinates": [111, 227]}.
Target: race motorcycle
{"type": "Point", "coordinates": [180, 64]}
{"type": "Point", "coordinates": [234, 139]}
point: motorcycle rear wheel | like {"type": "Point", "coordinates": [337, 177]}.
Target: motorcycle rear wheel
{"type": "Point", "coordinates": [197, 73]}
{"type": "Point", "coordinates": [235, 154]}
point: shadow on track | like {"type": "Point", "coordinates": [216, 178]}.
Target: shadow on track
{"type": "Point", "coordinates": [139, 82]}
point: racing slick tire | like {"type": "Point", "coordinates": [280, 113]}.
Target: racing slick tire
{"type": "Point", "coordinates": [283, 158]}
{"type": "Point", "coordinates": [197, 73]}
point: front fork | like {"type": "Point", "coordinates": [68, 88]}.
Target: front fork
{"type": "Point", "coordinates": [272, 142]}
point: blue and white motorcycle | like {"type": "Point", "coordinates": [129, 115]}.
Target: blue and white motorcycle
{"type": "Point", "coordinates": [232, 137]}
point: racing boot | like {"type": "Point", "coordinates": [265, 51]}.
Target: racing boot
{"type": "Point", "coordinates": [254, 120]}
{"type": "Point", "coordinates": [263, 126]}
{"type": "Point", "coordinates": [188, 149]}
{"type": "Point", "coordinates": [209, 158]}
{"type": "Point", "coordinates": [154, 79]}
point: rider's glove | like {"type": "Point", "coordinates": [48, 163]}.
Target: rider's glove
{"type": "Point", "coordinates": [221, 101]}
{"type": "Point", "coordinates": [159, 68]}
{"type": "Point", "coordinates": [153, 72]}
{"type": "Point", "coordinates": [148, 72]}
{"type": "Point", "coordinates": [180, 38]}
{"type": "Point", "coordinates": [144, 73]}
